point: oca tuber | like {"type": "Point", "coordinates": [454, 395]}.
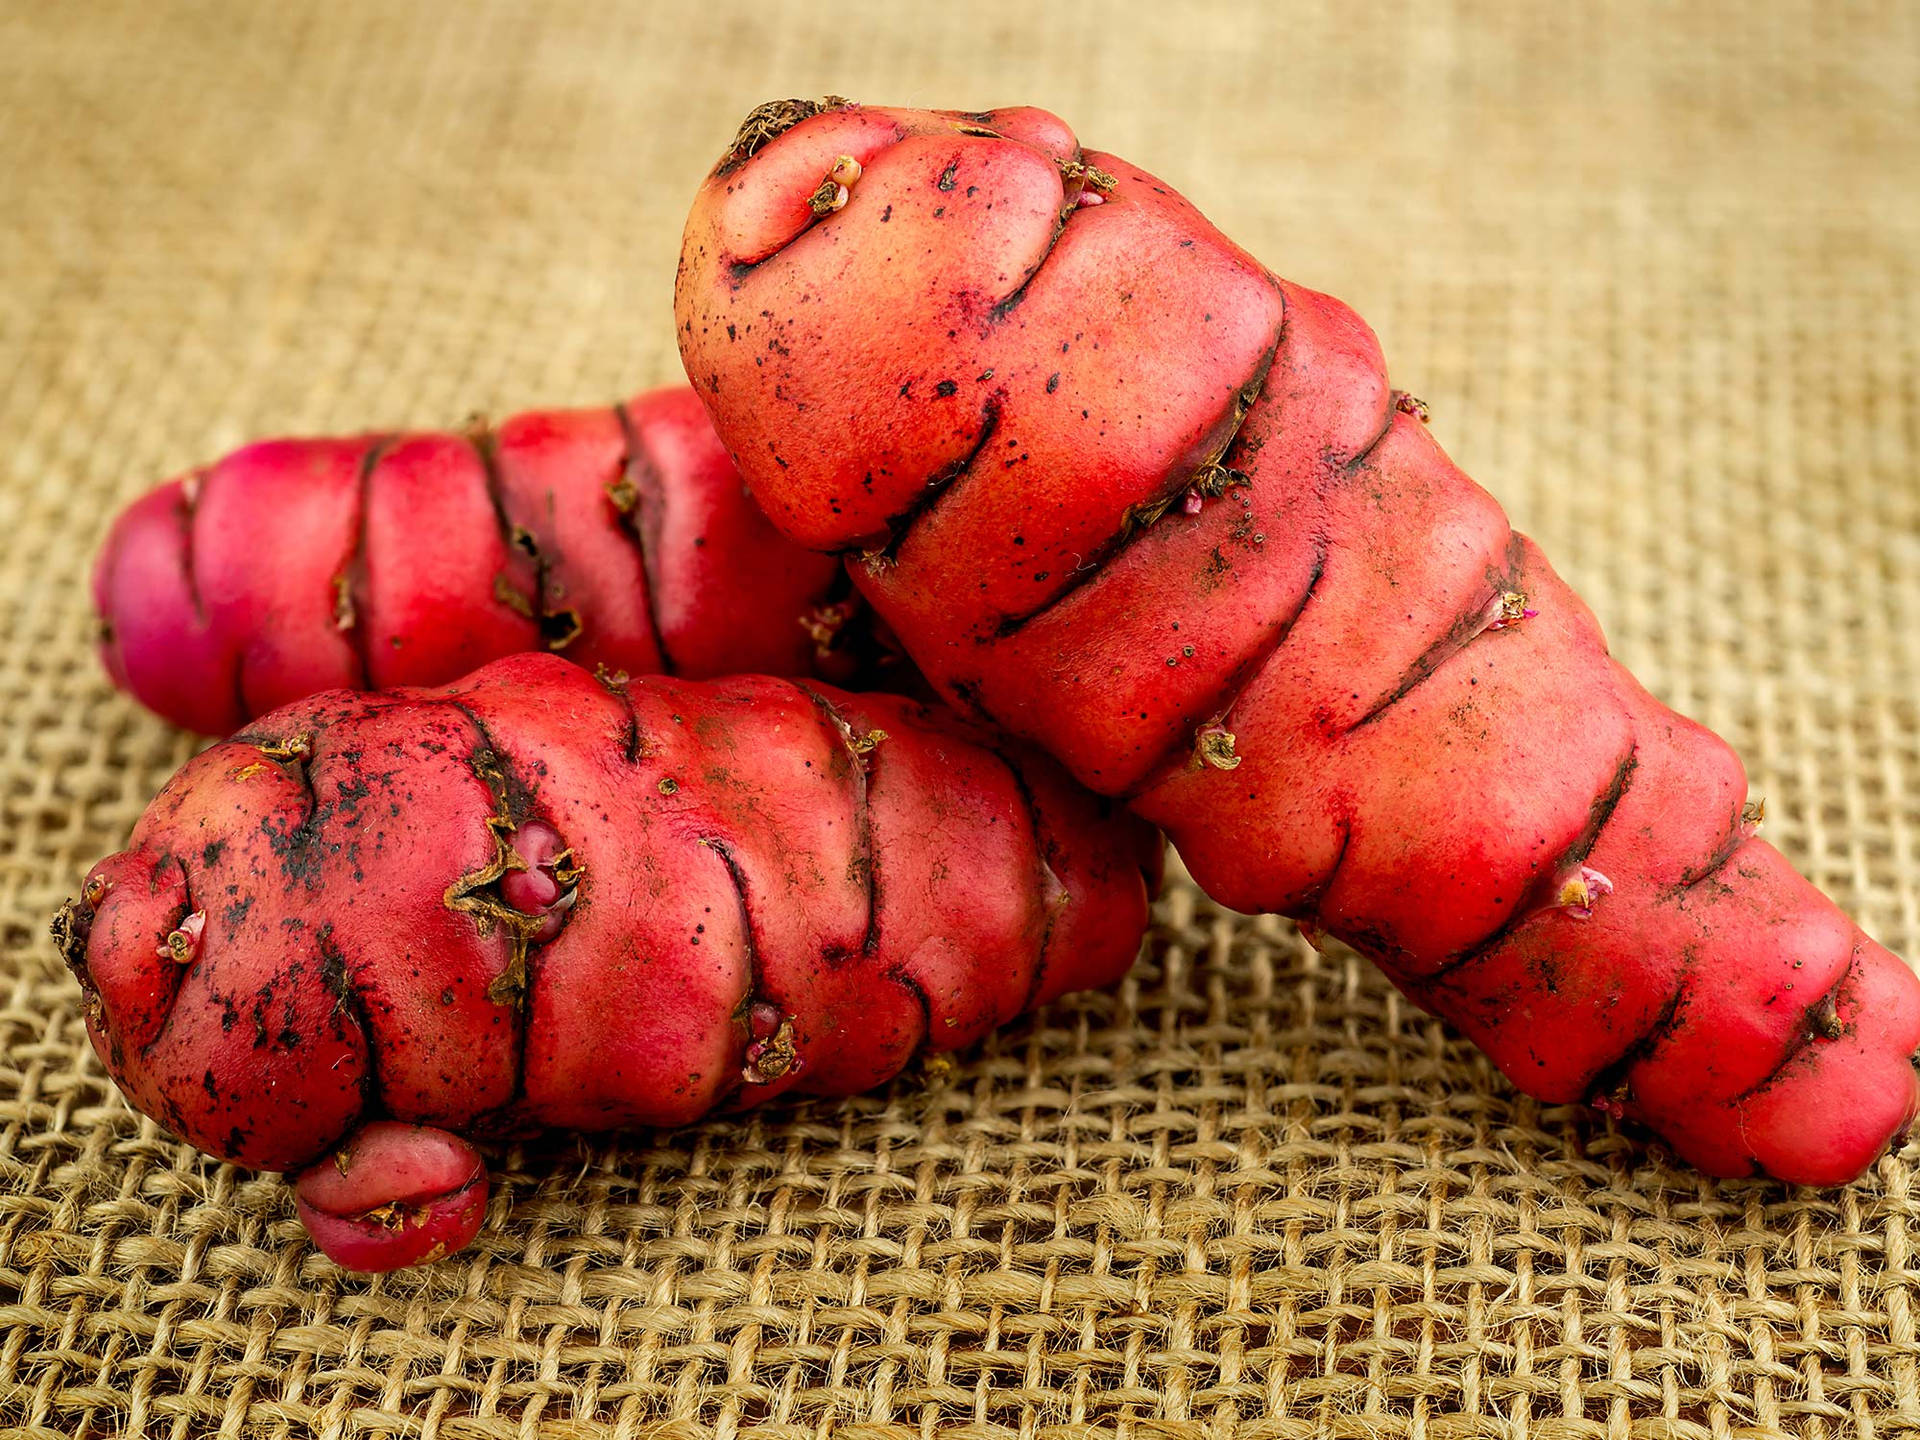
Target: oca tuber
{"type": "Point", "coordinates": [374, 924]}
{"type": "Point", "coordinates": [621, 536]}
{"type": "Point", "coordinates": [1122, 490]}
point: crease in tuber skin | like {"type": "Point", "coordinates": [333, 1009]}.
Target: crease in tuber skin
{"type": "Point", "coordinates": [540, 899]}
{"type": "Point", "coordinates": [1126, 493]}
{"type": "Point", "coordinates": [620, 536]}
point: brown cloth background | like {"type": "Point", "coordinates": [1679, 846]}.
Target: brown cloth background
{"type": "Point", "coordinates": [1653, 266]}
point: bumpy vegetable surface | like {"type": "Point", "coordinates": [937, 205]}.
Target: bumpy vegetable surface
{"type": "Point", "coordinates": [540, 899]}
{"type": "Point", "coordinates": [621, 536]}
{"type": "Point", "coordinates": [1119, 488]}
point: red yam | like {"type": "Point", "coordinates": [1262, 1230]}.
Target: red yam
{"type": "Point", "coordinates": [537, 898]}
{"type": "Point", "coordinates": [1122, 491]}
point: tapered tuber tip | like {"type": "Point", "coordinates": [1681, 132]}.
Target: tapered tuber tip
{"type": "Point", "coordinates": [393, 1195]}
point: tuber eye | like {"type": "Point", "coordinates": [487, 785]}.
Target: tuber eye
{"type": "Point", "coordinates": [183, 942]}
{"type": "Point", "coordinates": [547, 883]}
{"type": "Point", "coordinates": [772, 1051]}
{"type": "Point", "coordinates": [1577, 894]}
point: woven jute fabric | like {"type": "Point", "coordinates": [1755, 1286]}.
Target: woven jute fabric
{"type": "Point", "coordinates": [1653, 267]}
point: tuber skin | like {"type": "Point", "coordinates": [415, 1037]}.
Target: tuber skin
{"type": "Point", "coordinates": [1121, 490]}
{"type": "Point", "coordinates": [619, 536]}
{"type": "Point", "coordinates": [538, 898]}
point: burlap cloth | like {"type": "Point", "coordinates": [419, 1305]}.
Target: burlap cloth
{"type": "Point", "coordinates": [1655, 271]}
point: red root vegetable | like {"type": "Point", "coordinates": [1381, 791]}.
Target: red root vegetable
{"type": "Point", "coordinates": [622, 536]}
{"type": "Point", "coordinates": [1125, 492]}
{"type": "Point", "coordinates": [540, 899]}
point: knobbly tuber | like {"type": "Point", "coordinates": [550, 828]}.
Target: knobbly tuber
{"type": "Point", "coordinates": [375, 924]}
{"type": "Point", "coordinates": [619, 536]}
{"type": "Point", "coordinates": [1123, 491]}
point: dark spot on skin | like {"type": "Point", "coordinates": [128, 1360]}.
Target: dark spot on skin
{"type": "Point", "coordinates": [1053, 382]}
{"type": "Point", "coordinates": [947, 181]}
{"type": "Point", "coordinates": [945, 388]}
{"type": "Point", "coordinates": [210, 856]}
